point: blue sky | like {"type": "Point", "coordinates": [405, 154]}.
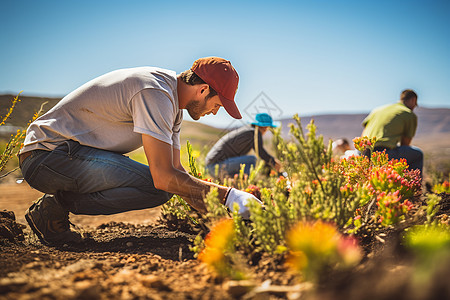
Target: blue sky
{"type": "Point", "coordinates": [306, 57]}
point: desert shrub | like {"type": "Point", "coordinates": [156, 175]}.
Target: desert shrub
{"type": "Point", "coordinates": [15, 141]}
{"type": "Point", "coordinates": [428, 240]}
{"type": "Point", "coordinates": [443, 187]}
{"type": "Point", "coordinates": [176, 210]}
{"type": "Point", "coordinates": [430, 244]}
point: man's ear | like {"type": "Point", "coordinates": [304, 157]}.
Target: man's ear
{"type": "Point", "coordinates": [202, 89]}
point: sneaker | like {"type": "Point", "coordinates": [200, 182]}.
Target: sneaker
{"type": "Point", "coordinates": [50, 222]}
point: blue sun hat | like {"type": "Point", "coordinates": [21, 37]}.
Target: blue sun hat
{"type": "Point", "coordinates": [263, 120]}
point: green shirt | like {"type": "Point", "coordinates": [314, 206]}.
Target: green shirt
{"type": "Point", "coordinates": [389, 124]}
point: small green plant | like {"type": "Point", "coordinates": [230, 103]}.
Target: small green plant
{"type": "Point", "coordinates": [432, 207]}
{"type": "Point", "coordinates": [176, 209]}
{"type": "Point", "coordinates": [430, 245]}
{"type": "Point", "coordinates": [442, 187]}
{"type": "Point", "coordinates": [15, 142]}
{"type": "Point", "coordinates": [242, 181]}
{"type": "Point", "coordinates": [427, 240]}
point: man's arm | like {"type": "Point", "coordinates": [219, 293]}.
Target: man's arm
{"type": "Point", "coordinates": [269, 159]}
{"type": "Point", "coordinates": [168, 176]}
{"type": "Point", "coordinates": [176, 160]}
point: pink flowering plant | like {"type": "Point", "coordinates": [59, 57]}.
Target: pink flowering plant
{"type": "Point", "coordinates": [395, 177]}
{"type": "Point", "coordinates": [387, 182]}
{"type": "Point", "coordinates": [391, 208]}
{"type": "Point", "coordinates": [363, 143]}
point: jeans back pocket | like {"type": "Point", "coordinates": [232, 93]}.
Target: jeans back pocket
{"type": "Point", "coordinates": [49, 181]}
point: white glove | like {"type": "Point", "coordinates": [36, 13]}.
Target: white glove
{"type": "Point", "coordinates": [242, 199]}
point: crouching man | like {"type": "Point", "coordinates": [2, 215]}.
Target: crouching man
{"type": "Point", "coordinates": [74, 153]}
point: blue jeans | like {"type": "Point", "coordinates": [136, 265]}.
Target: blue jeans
{"type": "Point", "coordinates": [413, 155]}
{"type": "Point", "coordinates": [92, 181]}
{"type": "Point", "coordinates": [232, 166]}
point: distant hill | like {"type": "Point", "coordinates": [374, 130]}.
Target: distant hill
{"type": "Point", "coordinates": [201, 135]}
{"type": "Point", "coordinates": [24, 109]}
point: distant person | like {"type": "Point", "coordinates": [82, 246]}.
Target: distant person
{"type": "Point", "coordinates": [74, 153]}
{"type": "Point", "coordinates": [227, 155]}
{"type": "Point", "coordinates": [394, 126]}
{"type": "Point", "coordinates": [341, 148]}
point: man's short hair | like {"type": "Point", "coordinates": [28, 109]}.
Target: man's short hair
{"type": "Point", "coordinates": [191, 78]}
{"type": "Point", "coordinates": [407, 95]}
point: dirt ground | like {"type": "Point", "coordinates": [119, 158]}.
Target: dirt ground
{"type": "Point", "coordinates": [127, 256]}
{"type": "Point", "coordinates": [132, 256]}
{"type": "Point", "coordinates": [18, 197]}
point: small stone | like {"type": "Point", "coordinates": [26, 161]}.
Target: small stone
{"type": "Point", "coordinates": [87, 290]}
{"type": "Point", "coordinates": [33, 265]}
{"type": "Point", "coordinates": [129, 244]}
{"type": "Point", "coordinates": [154, 282]}
{"type": "Point", "coordinates": [238, 288]}
{"type": "Point", "coordinates": [10, 284]}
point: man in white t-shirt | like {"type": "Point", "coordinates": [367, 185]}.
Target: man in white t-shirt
{"type": "Point", "coordinates": [74, 153]}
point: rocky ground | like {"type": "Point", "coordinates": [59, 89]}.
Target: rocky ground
{"type": "Point", "coordinates": [119, 261]}
{"type": "Point", "coordinates": [152, 261]}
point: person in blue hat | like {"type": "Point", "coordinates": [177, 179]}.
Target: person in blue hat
{"type": "Point", "coordinates": [231, 151]}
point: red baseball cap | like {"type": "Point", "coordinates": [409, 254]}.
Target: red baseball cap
{"type": "Point", "coordinates": [223, 78]}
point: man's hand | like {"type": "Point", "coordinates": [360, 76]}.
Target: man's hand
{"type": "Point", "coordinates": [242, 199]}
{"type": "Point", "coordinates": [277, 165]}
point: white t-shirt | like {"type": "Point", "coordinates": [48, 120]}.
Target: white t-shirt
{"type": "Point", "coordinates": [112, 111]}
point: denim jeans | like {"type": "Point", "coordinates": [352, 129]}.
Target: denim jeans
{"type": "Point", "coordinates": [232, 166]}
{"type": "Point", "coordinates": [92, 181]}
{"type": "Point", "coordinates": [413, 155]}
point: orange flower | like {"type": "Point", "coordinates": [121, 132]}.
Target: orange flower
{"type": "Point", "coordinates": [308, 190]}
{"type": "Point", "coordinates": [218, 241]}
{"type": "Point", "coordinates": [315, 246]}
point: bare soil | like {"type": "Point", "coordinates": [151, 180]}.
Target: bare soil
{"type": "Point", "coordinates": [136, 259]}
{"type": "Point", "coordinates": [132, 256]}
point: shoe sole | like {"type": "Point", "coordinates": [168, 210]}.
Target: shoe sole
{"type": "Point", "coordinates": [34, 227]}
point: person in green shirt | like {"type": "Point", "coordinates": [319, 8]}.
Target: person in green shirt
{"type": "Point", "coordinates": [394, 126]}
